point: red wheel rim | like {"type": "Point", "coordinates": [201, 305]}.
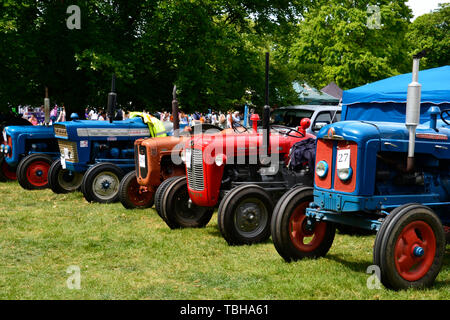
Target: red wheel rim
{"type": "Point", "coordinates": [9, 174]}
{"type": "Point", "coordinates": [417, 234]}
{"type": "Point", "coordinates": [37, 173]}
{"type": "Point", "coordinates": [136, 196]}
{"type": "Point", "coordinates": [300, 235]}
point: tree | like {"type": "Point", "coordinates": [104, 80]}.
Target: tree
{"type": "Point", "coordinates": [432, 32]}
{"type": "Point", "coordinates": [335, 43]}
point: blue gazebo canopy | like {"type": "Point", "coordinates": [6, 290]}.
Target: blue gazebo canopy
{"type": "Point", "coordinates": [385, 100]}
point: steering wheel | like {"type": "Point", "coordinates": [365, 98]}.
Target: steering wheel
{"type": "Point", "coordinates": [235, 125]}
{"type": "Point", "coordinates": [284, 130]}
{"type": "Point", "coordinates": [445, 112]}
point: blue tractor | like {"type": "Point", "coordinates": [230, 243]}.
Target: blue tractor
{"type": "Point", "coordinates": [28, 151]}
{"type": "Point", "coordinates": [95, 155]}
{"type": "Point", "coordinates": [387, 170]}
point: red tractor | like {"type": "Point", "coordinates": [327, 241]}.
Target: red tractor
{"type": "Point", "coordinates": [241, 174]}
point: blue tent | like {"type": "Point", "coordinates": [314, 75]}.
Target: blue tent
{"type": "Point", "coordinates": [385, 100]}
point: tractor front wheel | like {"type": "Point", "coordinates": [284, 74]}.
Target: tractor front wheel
{"type": "Point", "coordinates": [294, 235]}
{"type": "Point", "coordinates": [160, 192]}
{"type": "Point", "coordinates": [244, 215]}
{"type": "Point", "coordinates": [32, 171]}
{"type": "Point", "coordinates": [62, 180]}
{"type": "Point", "coordinates": [411, 248]}
{"type": "Point", "coordinates": [6, 172]}
{"type": "Point", "coordinates": [177, 209]}
{"type": "Point", "coordinates": [132, 196]}
{"type": "Point", "coordinates": [101, 183]}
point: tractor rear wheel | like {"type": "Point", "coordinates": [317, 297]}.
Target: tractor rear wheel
{"type": "Point", "coordinates": [130, 194]}
{"type": "Point", "coordinates": [62, 180]}
{"type": "Point", "coordinates": [244, 215]}
{"type": "Point", "coordinates": [101, 183]}
{"type": "Point", "coordinates": [178, 211]}
{"type": "Point", "coordinates": [411, 248]}
{"type": "Point", "coordinates": [6, 172]}
{"type": "Point", "coordinates": [32, 171]}
{"type": "Point", "coordinates": [294, 235]}
{"type": "Point", "coordinates": [159, 193]}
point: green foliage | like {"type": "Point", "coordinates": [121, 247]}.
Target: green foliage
{"type": "Point", "coordinates": [432, 32]}
{"type": "Point", "coordinates": [334, 43]}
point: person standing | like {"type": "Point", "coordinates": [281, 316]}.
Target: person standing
{"type": "Point", "coordinates": [62, 115]}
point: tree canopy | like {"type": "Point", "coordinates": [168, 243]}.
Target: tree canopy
{"type": "Point", "coordinates": [213, 50]}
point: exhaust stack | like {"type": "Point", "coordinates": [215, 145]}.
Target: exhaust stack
{"type": "Point", "coordinates": [112, 99]}
{"type": "Point", "coordinates": [413, 109]}
{"type": "Point", "coordinates": [46, 108]}
{"type": "Point", "coordinates": [176, 119]}
{"type": "Point", "coordinates": [266, 113]}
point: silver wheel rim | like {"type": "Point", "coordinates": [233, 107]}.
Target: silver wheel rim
{"type": "Point", "coordinates": [106, 185]}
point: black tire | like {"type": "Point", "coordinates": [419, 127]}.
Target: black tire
{"type": "Point", "coordinates": [6, 172]}
{"type": "Point", "coordinates": [32, 171]}
{"type": "Point", "coordinates": [407, 229]}
{"type": "Point", "coordinates": [380, 234]}
{"type": "Point", "coordinates": [290, 207]}
{"type": "Point", "coordinates": [95, 189]}
{"type": "Point", "coordinates": [62, 180]}
{"type": "Point", "coordinates": [160, 191]}
{"type": "Point", "coordinates": [244, 215]}
{"type": "Point", "coordinates": [176, 211]}
{"type": "Point", "coordinates": [130, 195]}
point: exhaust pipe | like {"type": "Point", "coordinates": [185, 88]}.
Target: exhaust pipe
{"type": "Point", "coordinates": [266, 113]}
{"type": "Point", "coordinates": [46, 108]}
{"type": "Point", "coordinates": [112, 99]}
{"type": "Point", "coordinates": [413, 109]}
{"type": "Point", "coordinates": [176, 120]}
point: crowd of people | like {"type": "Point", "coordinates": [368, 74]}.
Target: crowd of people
{"type": "Point", "coordinates": [221, 119]}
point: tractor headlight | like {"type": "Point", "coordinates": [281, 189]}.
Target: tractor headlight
{"type": "Point", "coordinates": [183, 156]}
{"type": "Point", "coordinates": [344, 174]}
{"type": "Point", "coordinates": [219, 159]}
{"type": "Point", "coordinates": [321, 169]}
{"type": "Point", "coordinates": [5, 138]}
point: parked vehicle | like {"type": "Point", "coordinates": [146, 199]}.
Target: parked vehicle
{"type": "Point", "coordinates": [381, 174]}
{"type": "Point", "coordinates": [241, 174]}
{"type": "Point", "coordinates": [95, 155]}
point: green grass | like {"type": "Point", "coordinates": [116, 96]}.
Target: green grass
{"type": "Point", "coordinates": [132, 254]}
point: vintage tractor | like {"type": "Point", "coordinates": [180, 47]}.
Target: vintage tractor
{"type": "Point", "coordinates": [95, 155]}
{"type": "Point", "coordinates": [154, 163]}
{"type": "Point", "coordinates": [244, 173]}
{"type": "Point", "coordinates": [28, 152]}
{"type": "Point", "coordinates": [378, 175]}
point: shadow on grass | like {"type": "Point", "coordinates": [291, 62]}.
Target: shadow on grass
{"type": "Point", "coordinates": [352, 265]}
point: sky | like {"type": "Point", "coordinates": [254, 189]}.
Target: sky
{"type": "Point", "coordinates": [420, 7]}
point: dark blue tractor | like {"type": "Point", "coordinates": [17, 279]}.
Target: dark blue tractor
{"type": "Point", "coordinates": [388, 175]}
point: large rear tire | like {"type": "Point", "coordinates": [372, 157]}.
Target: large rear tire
{"type": "Point", "coordinates": [411, 248]}
{"type": "Point", "coordinates": [62, 180]}
{"type": "Point", "coordinates": [32, 171]}
{"type": "Point", "coordinates": [101, 183]}
{"type": "Point", "coordinates": [294, 238]}
{"type": "Point", "coordinates": [178, 211]}
{"type": "Point", "coordinates": [244, 215]}
{"type": "Point", "coordinates": [130, 194]}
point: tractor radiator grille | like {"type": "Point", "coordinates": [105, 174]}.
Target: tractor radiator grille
{"type": "Point", "coordinates": [60, 130]}
{"type": "Point", "coordinates": [195, 173]}
{"type": "Point", "coordinates": [71, 147]}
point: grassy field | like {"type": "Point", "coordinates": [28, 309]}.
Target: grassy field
{"type": "Point", "coordinates": [132, 254]}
